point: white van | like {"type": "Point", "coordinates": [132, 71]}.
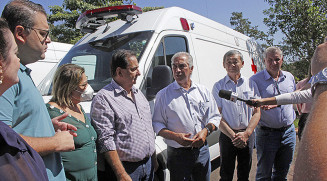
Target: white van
{"type": "Point", "coordinates": [56, 51]}
{"type": "Point", "coordinates": [156, 36]}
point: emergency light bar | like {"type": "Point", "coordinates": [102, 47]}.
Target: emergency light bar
{"type": "Point", "coordinates": [90, 20]}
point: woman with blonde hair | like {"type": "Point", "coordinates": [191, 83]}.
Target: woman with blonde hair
{"type": "Point", "coordinates": [70, 87]}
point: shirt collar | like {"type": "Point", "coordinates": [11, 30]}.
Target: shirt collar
{"type": "Point", "coordinates": [23, 68]}
{"type": "Point", "coordinates": [177, 86]}
{"type": "Point", "coordinates": [228, 79]}
{"type": "Point", "coordinates": [268, 76]}
{"type": "Point", "coordinates": [119, 89]}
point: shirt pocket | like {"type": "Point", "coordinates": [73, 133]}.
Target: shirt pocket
{"type": "Point", "coordinates": [203, 108]}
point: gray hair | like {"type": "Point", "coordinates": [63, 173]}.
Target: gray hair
{"type": "Point", "coordinates": [272, 49]}
{"type": "Point", "coordinates": [233, 52]}
{"type": "Point", "coordinates": [21, 12]}
{"type": "Point", "coordinates": [188, 57]}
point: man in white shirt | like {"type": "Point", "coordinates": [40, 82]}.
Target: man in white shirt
{"type": "Point", "coordinates": [185, 113]}
{"type": "Point", "coordinates": [238, 120]}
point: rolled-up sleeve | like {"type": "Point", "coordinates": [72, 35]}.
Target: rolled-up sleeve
{"type": "Point", "coordinates": [214, 116]}
{"type": "Point", "coordinates": [103, 121]}
{"type": "Point", "coordinates": [215, 93]}
{"type": "Point", "coordinates": [159, 118]}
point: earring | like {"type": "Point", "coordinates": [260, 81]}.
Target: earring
{"type": "Point", "coordinates": [1, 76]}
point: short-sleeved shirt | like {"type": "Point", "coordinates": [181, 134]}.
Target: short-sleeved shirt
{"type": "Point", "coordinates": [81, 163]}
{"type": "Point", "coordinates": [280, 116]}
{"type": "Point", "coordinates": [184, 111]}
{"type": "Point", "coordinates": [18, 161]}
{"type": "Point", "coordinates": [23, 109]}
{"type": "Point", "coordinates": [122, 124]}
{"type": "Point", "coordinates": [236, 114]}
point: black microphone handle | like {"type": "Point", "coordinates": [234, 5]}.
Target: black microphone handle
{"type": "Point", "coordinates": [248, 102]}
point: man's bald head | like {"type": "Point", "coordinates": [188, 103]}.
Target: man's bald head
{"type": "Point", "coordinates": [319, 59]}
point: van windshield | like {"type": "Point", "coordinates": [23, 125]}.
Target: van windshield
{"type": "Point", "coordinates": [95, 57]}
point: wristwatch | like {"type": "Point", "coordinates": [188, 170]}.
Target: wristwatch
{"type": "Point", "coordinates": [319, 78]}
{"type": "Point", "coordinates": [209, 132]}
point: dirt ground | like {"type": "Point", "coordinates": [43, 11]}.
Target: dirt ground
{"type": "Point", "coordinates": [215, 166]}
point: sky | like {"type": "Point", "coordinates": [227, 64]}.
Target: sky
{"type": "Point", "coordinates": [217, 10]}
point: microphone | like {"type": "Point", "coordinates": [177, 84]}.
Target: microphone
{"type": "Point", "coordinates": [232, 96]}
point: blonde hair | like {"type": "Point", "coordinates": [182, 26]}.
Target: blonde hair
{"type": "Point", "coordinates": [67, 79]}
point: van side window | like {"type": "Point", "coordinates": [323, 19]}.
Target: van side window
{"type": "Point", "coordinates": [168, 46]}
{"type": "Point", "coordinates": [173, 45]}
{"type": "Point", "coordinates": [88, 62]}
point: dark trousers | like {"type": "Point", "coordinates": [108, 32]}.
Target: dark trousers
{"type": "Point", "coordinates": [186, 164]}
{"type": "Point", "coordinates": [228, 155]}
{"type": "Point", "coordinates": [138, 171]}
{"type": "Point", "coordinates": [302, 121]}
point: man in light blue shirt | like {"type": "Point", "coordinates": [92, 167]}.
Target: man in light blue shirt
{"type": "Point", "coordinates": [22, 106]}
{"type": "Point", "coordinates": [238, 120]}
{"type": "Point", "coordinates": [275, 133]}
{"type": "Point", "coordinates": [185, 113]}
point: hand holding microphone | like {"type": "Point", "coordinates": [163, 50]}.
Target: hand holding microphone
{"type": "Point", "coordinates": [232, 96]}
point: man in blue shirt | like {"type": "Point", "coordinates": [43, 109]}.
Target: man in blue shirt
{"type": "Point", "coordinates": [22, 106]}
{"type": "Point", "coordinates": [275, 133]}
{"type": "Point", "coordinates": [238, 120]}
{"type": "Point", "coordinates": [184, 114]}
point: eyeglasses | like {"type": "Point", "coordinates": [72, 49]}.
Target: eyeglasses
{"type": "Point", "coordinates": [44, 34]}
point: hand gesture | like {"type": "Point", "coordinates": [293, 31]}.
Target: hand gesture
{"type": "Point", "coordinates": [199, 138]}
{"type": "Point", "coordinates": [65, 141]}
{"type": "Point", "coordinates": [62, 126]}
{"type": "Point", "coordinates": [183, 139]}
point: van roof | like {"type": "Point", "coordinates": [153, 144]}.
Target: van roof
{"type": "Point", "coordinates": [161, 20]}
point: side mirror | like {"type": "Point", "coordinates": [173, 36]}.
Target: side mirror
{"type": "Point", "coordinates": [161, 77]}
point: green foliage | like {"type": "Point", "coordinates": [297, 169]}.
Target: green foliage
{"type": "Point", "coordinates": [299, 69]}
{"type": "Point", "coordinates": [243, 25]}
{"type": "Point", "coordinates": [63, 19]}
{"type": "Point", "coordinates": [303, 22]}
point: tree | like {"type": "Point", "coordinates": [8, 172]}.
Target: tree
{"type": "Point", "coordinates": [243, 25]}
{"type": "Point", "coordinates": [63, 18]}
{"type": "Point", "coordinates": [303, 22]}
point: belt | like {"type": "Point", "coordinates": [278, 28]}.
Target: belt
{"type": "Point", "coordinates": [188, 148]}
{"type": "Point", "coordinates": [138, 162]}
{"type": "Point", "coordinates": [275, 129]}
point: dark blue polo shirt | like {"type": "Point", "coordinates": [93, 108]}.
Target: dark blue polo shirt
{"type": "Point", "coordinates": [18, 161]}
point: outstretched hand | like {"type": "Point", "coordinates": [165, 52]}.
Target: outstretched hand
{"type": "Point", "coordinates": [62, 126]}
{"type": "Point", "coordinates": [254, 103]}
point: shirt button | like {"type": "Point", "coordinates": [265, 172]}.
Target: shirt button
{"type": "Point", "coordinates": [95, 150]}
{"type": "Point", "coordinates": [95, 163]}
{"type": "Point", "coordinates": [92, 138]}
{"type": "Point", "coordinates": [87, 126]}
{"type": "Point", "coordinates": [61, 111]}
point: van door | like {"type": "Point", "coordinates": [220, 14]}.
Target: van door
{"type": "Point", "coordinates": [167, 44]}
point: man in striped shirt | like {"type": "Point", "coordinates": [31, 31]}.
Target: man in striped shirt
{"type": "Point", "coordinates": [122, 118]}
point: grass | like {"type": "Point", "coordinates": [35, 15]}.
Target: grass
{"type": "Point", "coordinates": [296, 122]}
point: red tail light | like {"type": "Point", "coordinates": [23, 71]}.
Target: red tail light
{"type": "Point", "coordinates": [185, 25]}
